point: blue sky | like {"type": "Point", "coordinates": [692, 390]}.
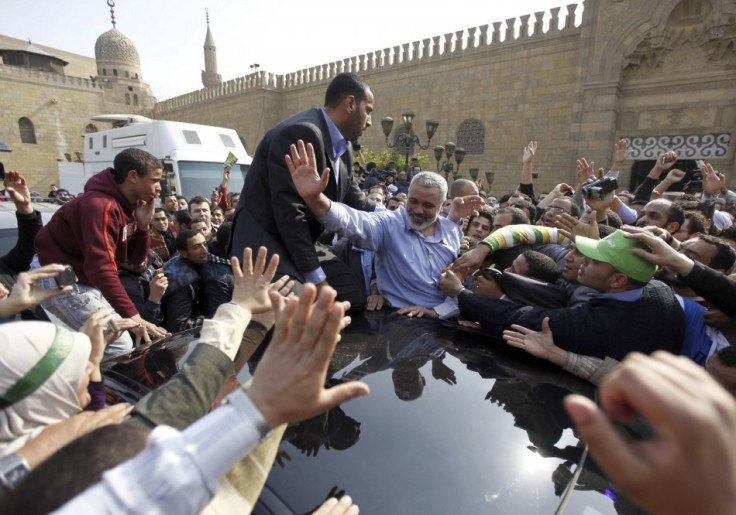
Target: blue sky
{"type": "Point", "coordinates": [282, 36]}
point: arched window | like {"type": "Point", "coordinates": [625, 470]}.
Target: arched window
{"type": "Point", "coordinates": [104, 71]}
{"type": "Point", "coordinates": [115, 72]}
{"type": "Point", "coordinates": [27, 132]}
{"type": "Point", "coordinates": [126, 74]}
{"type": "Point", "coordinates": [471, 135]}
{"type": "Point", "coordinates": [135, 100]}
{"type": "Point", "coordinates": [91, 127]}
{"type": "Point", "coordinates": [127, 99]}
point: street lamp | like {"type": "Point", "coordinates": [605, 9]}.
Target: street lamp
{"type": "Point", "coordinates": [449, 150]}
{"type": "Point", "coordinates": [407, 138]}
{"type": "Point", "coordinates": [490, 176]}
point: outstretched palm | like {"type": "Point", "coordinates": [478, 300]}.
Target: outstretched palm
{"type": "Point", "coordinates": [303, 167]}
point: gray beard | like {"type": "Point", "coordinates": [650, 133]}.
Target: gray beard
{"type": "Point", "coordinates": [422, 226]}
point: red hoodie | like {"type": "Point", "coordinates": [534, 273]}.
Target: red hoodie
{"type": "Point", "coordinates": [93, 233]}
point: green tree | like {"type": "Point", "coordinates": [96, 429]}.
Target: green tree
{"type": "Point", "coordinates": [382, 158]}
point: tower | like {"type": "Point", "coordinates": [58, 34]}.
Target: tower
{"type": "Point", "coordinates": [119, 71]}
{"type": "Point", "coordinates": [210, 77]}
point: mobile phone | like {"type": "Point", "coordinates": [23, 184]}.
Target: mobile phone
{"type": "Point", "coordinates": [66, 278]}
{"type": "Point", "coordinates": [111, 326]}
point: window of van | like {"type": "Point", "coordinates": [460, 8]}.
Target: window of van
{"type": "Point", "coordinates": [191, 137]}
{"type": "Point", "coordinates": [227, 141]}
{"type": "Point", "coordinates": [199, 178]}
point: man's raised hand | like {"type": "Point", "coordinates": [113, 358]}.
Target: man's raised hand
{"type": "Point", "coordinates": [15, 185]}
{"type": "Point", "coordinates": [303, 167]}
{"type": "Point", "coordinates": [252, 283]}
{"type": "Point", "coordinates": [288, 385]}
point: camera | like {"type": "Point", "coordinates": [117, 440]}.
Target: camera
{"type": "Point", "coordinates": [597, 190]}
{"type": "Point", "coordinates": [357, 146]}
{"type": "Point", "coordinates": [65, 278]}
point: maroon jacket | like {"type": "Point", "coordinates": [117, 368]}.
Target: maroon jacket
{"type": "Point", "coordinates": [93, 233]}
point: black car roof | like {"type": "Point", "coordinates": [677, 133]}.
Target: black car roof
{"type": "Point", "coordinates": [456, 422]}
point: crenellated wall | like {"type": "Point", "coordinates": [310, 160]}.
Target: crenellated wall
{"type": "Point", "coordinates": [660, 72]}
{"type": "Point", "coordinates": [510, 75]}
{"type": "Point", "coordinates": [463, 42]}
{"type": "Point", "coordinates": [39, 77]}
{"type": "Point", "coordinates": [651, 71]}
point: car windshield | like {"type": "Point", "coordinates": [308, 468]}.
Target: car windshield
{"type": "Point", "coordinates": [200, 178]}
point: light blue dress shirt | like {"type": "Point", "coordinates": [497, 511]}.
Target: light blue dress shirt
{"type": "Point", "coordinates": [408, 263]}
{"type": "Point", "coordinates": [339, 147]}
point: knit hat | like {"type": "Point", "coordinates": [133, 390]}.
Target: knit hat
{"type": "Point", "coordinates": [615, 250]}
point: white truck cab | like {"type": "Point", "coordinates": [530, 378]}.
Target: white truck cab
{"type": "Point", "coordinates": [193, 155]}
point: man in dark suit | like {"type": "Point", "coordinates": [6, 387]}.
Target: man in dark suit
{"type": "Point", "coordinates": [271, 213]}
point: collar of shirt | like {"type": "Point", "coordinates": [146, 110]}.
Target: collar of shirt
{"type": "Point", "coordinates": [440, 231]}
{"type": "Point", "coordinates": [339, 143]}
{"type": "Point", "coordinates": [625, 296]}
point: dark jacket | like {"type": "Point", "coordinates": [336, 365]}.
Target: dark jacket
{"type": "Point", "coordinates": [93, 233]}
{"type": "Point", "coordinates": [138, 290]}
{"type": "Point", "coordinates": [602, 327]}
{"type": "Point", "coordinates": [218, 283]}
{"type": "Point", "coordinates": [19, 258]}
{"type": "Point", "coordinates": [272, 214]}
{"type": "Point", "coordinates": [715, 287]}
{"type": "Point", "coordinates": [184, 303]}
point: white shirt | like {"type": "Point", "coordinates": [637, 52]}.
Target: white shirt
{"type": "Point", "coordinates": [177, 472]}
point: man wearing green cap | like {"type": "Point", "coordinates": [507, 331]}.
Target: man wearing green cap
{"type": "Point", "coordinates": [630, 312]}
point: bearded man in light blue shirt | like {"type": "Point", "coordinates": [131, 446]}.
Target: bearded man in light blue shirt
{"type": "Point", "coordinates": [413, 245]}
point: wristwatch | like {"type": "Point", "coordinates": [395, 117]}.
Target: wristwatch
{"type": "Point", "coordinates": [13, 468]}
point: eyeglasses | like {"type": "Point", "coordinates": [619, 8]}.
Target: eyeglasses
{"type": "Point", "coordinates": [556, 209]}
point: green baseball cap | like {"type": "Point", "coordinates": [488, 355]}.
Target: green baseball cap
{"type": "Point", "coordinates": [615, 250]}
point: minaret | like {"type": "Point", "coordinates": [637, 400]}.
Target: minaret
{"type": "Point", "coordinates": [210, 77]}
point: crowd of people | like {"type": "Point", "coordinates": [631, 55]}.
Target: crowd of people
{"type": "Point", "coordinates": [582, 276]}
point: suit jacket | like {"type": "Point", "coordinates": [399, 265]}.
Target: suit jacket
{"type": "Point", "coordinates": [272, 214]}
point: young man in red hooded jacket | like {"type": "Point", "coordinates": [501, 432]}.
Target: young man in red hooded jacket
{"type": "Point", "coordinates": [107, 225]}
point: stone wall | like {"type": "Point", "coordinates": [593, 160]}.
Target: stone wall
{"type": "Point", "coordinates": [661, 73]}
{"type": "Point", "coordinates": [518, 78]}
{"type": "Point", "coordinates": [576, 89]}
{"type": "Point", "coordinates": [58, 106]}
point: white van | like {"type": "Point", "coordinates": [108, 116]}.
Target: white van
{"type": "Point", "coordinates": [193, 155]}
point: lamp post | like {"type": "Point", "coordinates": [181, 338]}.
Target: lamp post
{"type": "Point", "coordinates": [490, 176]}
{"type": "Point", "coordinates": [408, 138]}
{"type": "Point", "coordinates": [449, 150]}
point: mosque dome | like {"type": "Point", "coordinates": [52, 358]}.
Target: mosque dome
{"type": "Point", "coordinates": [117, 56]}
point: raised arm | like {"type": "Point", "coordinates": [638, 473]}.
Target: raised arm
{"type": "Point", "coordinates": [302, 165]}
{"type": "Point", "coordinates": [664, 163]}
{"type": "Point", "coordinates": [526, 180]}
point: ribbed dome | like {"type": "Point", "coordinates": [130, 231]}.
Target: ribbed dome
{"type": "Point", "coordinates": [114, 47]}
